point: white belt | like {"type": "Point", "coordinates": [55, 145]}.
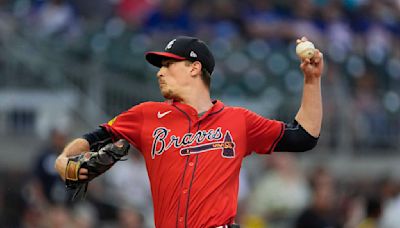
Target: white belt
{"type": "Point", "coordinates": [224, 226]}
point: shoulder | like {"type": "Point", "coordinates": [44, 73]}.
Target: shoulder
{"type": "Point", "coordinates": [238, 110]}
{"type": "Point", "coordinates": [236, 113]}
{"type": "Point", "coordinates": [148, 105]}
{"type": "Point", "coordinates": [246, 113]}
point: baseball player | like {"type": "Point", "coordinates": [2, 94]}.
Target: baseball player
{"type": "Point", "coordinates": [193, 146]}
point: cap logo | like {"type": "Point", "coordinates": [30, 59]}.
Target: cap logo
{"type": "Point", "coordinates": [193, 54]}
{"type": "Point", "coordinates": [169, 45]}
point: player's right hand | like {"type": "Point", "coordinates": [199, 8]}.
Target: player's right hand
{"type": "Point", "coordinates": [313, 68]}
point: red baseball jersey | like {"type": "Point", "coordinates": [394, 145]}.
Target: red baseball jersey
{"type": "Point", "coordinates": [193, 162]}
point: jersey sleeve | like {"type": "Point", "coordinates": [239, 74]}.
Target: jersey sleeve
{"type": "Point", "coordinates": [127, 125]}
{"type": "Point", "coordinates": [262, 134]}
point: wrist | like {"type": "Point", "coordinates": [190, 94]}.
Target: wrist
{"type": "Point", "coordinates": [60, 166]}
{"type": "Point", "coordinates": [312, 80]}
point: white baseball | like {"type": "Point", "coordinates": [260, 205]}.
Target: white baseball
{"type": "Point", "coordinates": [305, 49]}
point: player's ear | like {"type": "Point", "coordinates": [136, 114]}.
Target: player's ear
{"type": "Point", "coordinates": [196, 68]}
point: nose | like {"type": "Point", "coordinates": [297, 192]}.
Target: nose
{"type": "Point", "coordinates": [160, 72]}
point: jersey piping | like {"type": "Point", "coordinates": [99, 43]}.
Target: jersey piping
{"type": "Point", "coordinates": [277, 139]}
{"type": "Point", "coordinates": [186, 164]}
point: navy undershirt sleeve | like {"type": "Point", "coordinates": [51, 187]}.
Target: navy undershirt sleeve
{"type": "Point", "coordinates": [98, 138]}
{"type": "Point", "coordinates": [295, 139]}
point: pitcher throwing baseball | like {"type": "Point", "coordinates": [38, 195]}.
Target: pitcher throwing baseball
{"type": "Point", "coordinates": [193, 146]}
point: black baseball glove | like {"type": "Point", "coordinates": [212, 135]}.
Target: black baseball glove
{"type": "Point", "coordinates": [96, 163]}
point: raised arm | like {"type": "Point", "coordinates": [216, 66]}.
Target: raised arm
{"type": "Point", "coordinates": [309, 115]}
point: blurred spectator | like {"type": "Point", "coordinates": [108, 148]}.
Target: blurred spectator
{"type": "Point", "coordinates": [280, 193]}
{"type": "Point", "coordinates": [263, 20]}
{"type": "Point", "coordinates": [84, 215]}
{"type": "Point", "coordinates": [7, 22]}
{"type": "Point", "coordinates": [370, 123]}
{"type": "Point", "coordinates": [243, 194]}
{"type": "Point", "coordinates": [171, 17]}
{"type": "Point", "coordinates": [335, 27]}
{"type": "Point", "coordinates": [48, 217]}
{"type": "Point", "coordinates": [303, 23]}
{"type": "Point", "coordinates": [94, 11]}
{"type": "Point", "coordinates": [321, 212]}
{"type": "Point", "coordinates": [55, 18]}
{"type": "Point", "coordinates": [373, 211]}
{"type": "Point", "coordinates": [57, 216]}
{"type": "Point", "coordinates": [31, 217]}
{"type": "Point", "coordinates": [225, 19]}
{"type": "Point", "coordinates": [389, 188]}
{"type": "Point", "coordinates": [135, 12]}
{"type": "Point", "coordinates": [12, 203]}
{"type": "Point", "coordinates": [127, 184]}
{"type": "Point", "coordinates": [390, 218]}
{"type": "Point", "coordinates": [391, 208]}
{"type": "Point", "coordinates": [49, 184]}
{"type": "Point", "coordinates": [130, 218]}
{"type": "Point", "coordinates": [200, 14]}
{"type": "Point", "coordinates": [244, 188]}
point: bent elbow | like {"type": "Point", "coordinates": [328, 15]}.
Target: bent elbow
{"type": "Point", "coordinates": [307, 144]}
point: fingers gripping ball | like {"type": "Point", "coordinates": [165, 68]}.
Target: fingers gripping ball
{"type": "Point", "coordinates": [95, 162]}
{"type": "Point", "coordinates": [305, 49]}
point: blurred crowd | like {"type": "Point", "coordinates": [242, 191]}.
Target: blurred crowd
{"type": "Point", "coordinates": [347, 23]}
{"type": "Point", "coordinates": [279, 194]}
{"type": "Point", "coordinates": [361, 42]}
{"type": "Point", "coordinates": [253, 42]}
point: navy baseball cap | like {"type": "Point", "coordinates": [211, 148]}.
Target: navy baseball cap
{"type": "Point", "coordinates": [184, 48]}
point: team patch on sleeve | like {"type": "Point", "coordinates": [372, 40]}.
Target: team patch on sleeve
{"type": "Point", "coordinates": [111, 122]}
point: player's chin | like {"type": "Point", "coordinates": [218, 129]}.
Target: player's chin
{"type": "Point", "coordinates": [170, 95]}
{"type": "Point", "coordinates": [163, 89]}
{"type": "Point", "coordinates": [167, 94]}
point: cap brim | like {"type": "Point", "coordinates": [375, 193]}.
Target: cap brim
{"type": "Point", "coordinates": [155, 58]}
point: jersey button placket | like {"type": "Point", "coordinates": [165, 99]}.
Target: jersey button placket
{"type": "Point", "coordinates": [184, 205]}
{"type": "Point", "coordinates": [181, 221]}
{"type": "Point", "coordinates": [185, 191]}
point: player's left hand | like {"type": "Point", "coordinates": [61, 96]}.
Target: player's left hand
{"type": "Point", "coordinates": [312, 67]}
{"type": "Point", "coordinates": [83, 168]}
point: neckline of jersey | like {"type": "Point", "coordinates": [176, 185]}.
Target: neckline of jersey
{"type": "Point", "coordinates": [217, 107]}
